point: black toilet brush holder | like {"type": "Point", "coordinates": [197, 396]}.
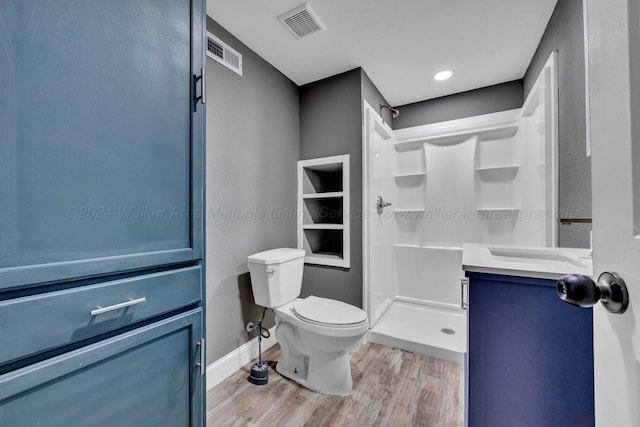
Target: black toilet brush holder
{"type": "Point", "coordinates": [260, 370]}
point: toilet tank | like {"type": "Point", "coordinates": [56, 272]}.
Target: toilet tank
{"type": "Point", "coordinates": [276, 276]}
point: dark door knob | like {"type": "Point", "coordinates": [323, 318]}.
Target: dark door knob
{"type": "Point", "coordinates": [582, 291]}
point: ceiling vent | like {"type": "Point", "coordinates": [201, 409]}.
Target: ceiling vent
{"type": "Point", "coordinates": [221, 52]}
{"type": "Point", "coordinates": [302, 21]}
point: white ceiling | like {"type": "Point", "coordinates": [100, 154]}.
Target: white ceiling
{"type": "Point", "coordinates": [399, 43]}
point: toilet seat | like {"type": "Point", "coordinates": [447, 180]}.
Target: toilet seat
{"type": "Point", "coordinates": [328, 312]}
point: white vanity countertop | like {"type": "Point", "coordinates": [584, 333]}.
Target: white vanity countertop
{"type": "Point", "coordinates": [526, 261]}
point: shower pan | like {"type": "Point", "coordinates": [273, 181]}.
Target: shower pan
{"type": "Point", "coordinates": [485, 179]}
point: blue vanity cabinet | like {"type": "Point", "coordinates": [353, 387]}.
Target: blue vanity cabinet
{"type": "Point", "coordinates": [102, 124]}
{"type": "Point", "coordinates": [530, 357]}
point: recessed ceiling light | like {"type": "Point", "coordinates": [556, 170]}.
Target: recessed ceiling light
{"type": "Point", "coordinates": [443, 75]}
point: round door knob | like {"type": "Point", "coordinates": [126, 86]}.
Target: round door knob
{"type": "Point", "coordinates": [582, 291]}
{"type": "Point", "coordinates": [579, 290]}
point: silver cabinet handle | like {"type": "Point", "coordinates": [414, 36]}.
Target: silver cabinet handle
{"type": "Point", "coordinates": [203, 86]}
{"type": "Point", "coordinates": [201, 78]}
{"type": "Point", "coordinates": [203, 362]}
{"type": "Point", "coordinates": [463, 283]}
{"type": "Point", "coordinates": [101, 310]}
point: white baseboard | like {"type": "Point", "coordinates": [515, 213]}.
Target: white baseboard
{"type": "Point", "coordinates": [229, 364]}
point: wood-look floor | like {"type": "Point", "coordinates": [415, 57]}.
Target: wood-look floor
{"type": "Point", "coordinates": [392, 387]}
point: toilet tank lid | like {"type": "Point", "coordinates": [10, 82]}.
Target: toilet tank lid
{"type": "Point", "coordinates": [275, 256]}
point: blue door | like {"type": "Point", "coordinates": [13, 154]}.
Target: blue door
{"type": "Point", "coordinates": [100, 137]}
{"type": "Point", "coordinates": [101, 212]}
{"type": "Point", "coordinates": [147, 377]}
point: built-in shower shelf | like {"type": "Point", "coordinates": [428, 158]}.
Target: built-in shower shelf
{"type": "Point", "coordinates": [323, 195]}
{"type": "Point", "coordinates": [441, 248]}
{"type": "Point", "coordinates": [498, 172]}
{"type": "Point", "coordinates": [407, 246]}
{"type": "Point", "coordinates": [323, 227]}
{"type": "Point", "coordinates": [410, 177]}
{"type": "Point", "coordinates": [484, 134]}
{"type": "Point", "coordinates": [498, 168]}
{"type": "Point", "coordinates": [399, 211]}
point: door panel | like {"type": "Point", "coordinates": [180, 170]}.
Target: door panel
{"type": "Point", "coordinates": [614, 44]}
{"type": "Point", "coordinates": [95, 160]}
{"type": "Point", "coordinates": [143, 378]}
{"type": "Point", "coordinates": [381, 282]}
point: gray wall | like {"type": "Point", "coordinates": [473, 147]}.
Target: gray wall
{"type": "Point", "coordinates": [372, 95]}
{"type": "Point", "coordinates": [564, 33]}
{"type": "Point", "coordinates": [330, 125]}
{"type": "Point", "coordinates": [252, 149]}
{"type": "Point", "coordinates": [505, 96]}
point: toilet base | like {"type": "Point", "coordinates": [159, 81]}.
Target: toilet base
{"type": "Point", "coordinates": [327, 373]}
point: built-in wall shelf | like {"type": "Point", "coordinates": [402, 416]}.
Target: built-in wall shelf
{"type": "Point", "coordinates": [485, 134]}
{"type": "Point", "coordinates": [333, 194]}
{"type": "Point", "coordinates": [329, 259]}
{"type": "Point", "coordinates": [323, 226]}
{"type": "Point", "coordinates": [323, 201]}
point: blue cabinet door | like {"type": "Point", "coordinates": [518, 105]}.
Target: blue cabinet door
{"type": "Point", "coordinates": [101, 137]}
{"type": "Point", "coordinates": [147, 377]}
{"type": "Point", "coordinates": [530, 361]}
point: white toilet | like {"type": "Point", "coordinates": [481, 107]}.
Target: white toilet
{"type": "Point", "coordinates": [314, 333]}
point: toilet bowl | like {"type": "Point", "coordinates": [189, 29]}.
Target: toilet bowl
{"type": "Point", "coordinates": [314, 333]}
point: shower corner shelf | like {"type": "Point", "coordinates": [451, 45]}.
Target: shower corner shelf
{"type": "Point", "coordinates": [418, 176]}
{"type": "Point", "coordinates": [406, 246]}
{"type": "Point", "coordinates": [497, 132]}
{"type": "Point", "coordinates": [498, 172]}
{"type": "Point", "coordinates": [504, 168]}
{"type": "Point", "coordinates": [408, 145]}
{"type": "Point", "coordinates": [323, 222]}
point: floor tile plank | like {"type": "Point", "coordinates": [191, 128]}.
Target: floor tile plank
{"type": "Point", "coordinates": [392, 387]}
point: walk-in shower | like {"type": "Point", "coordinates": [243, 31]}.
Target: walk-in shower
{"type": "Point", "coordinates": [484, 179]}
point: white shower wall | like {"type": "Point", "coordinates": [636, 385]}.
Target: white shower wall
{"type": "Point", "coordinates": [379, 234]}
{"type": "Point", "coordinates": [484, 179]}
